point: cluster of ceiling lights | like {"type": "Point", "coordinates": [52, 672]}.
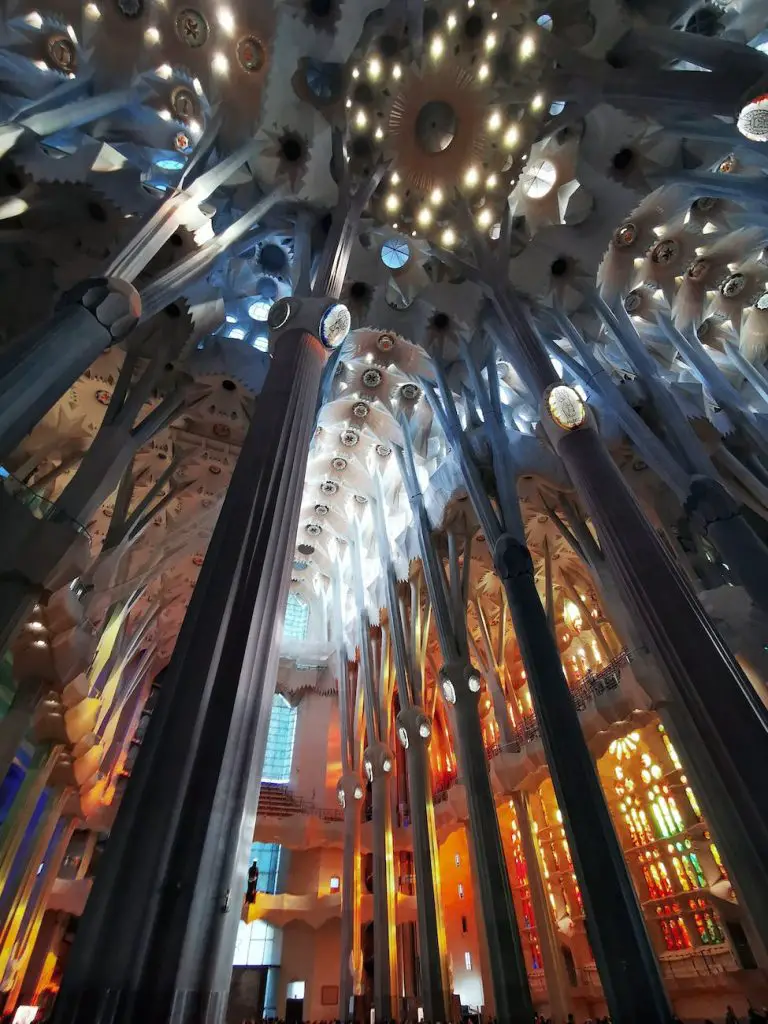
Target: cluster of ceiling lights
{"type": "Point", "coordinates": [484, 188]}
{"type": "Point", "coordinates": [225, 17]}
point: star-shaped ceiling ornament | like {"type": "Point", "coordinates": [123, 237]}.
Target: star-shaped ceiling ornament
{"type": "Point", "coordinates": [453, 126]}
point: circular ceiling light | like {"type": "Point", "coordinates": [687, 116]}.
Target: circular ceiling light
{"type": "Point", "coordinates": [538, 179]}
{"type": "Point", "coordinates": [566, 407]}
{"type": "Point", "coordinates": [260, 309]}
{"type": "Point", "coordinates": [335, 325]}
{"type": "Point", "coordinates": [752, 121]}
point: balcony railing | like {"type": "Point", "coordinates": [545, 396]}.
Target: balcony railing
{"type": "Point", "coordinates": [594, 685]}
{"type": "Point", "coordinates": [693, 963]}
{"type": "Point", "coordinates": [40, 507]}
{"type": "Point", "coordinates": [279, 802]}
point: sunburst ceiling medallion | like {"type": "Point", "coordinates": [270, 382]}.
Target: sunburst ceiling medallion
{"type": "Point", "coordinates": [453, 124]}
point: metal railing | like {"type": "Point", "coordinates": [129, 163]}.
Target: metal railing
{"type": "Point", "coordinates": [279, 802]}
{"type": "Point", "coordinates": [594, 685]}
{"type": "Point", "coordinates": [692, 963]}
{"type": "Point", "coordinates": [40, 507]}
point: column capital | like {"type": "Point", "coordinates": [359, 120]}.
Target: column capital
{"type": "Point", "coordinates": [321, 317]}
{"type": "Point", "coordinates": [511, 557]}
{"type": "Point", "coordinates": [113, 302]}
{"type": "Point", "coordinates": [378, 761]}
{"type": "Point", "coordinates": [414, 726]}
{"type": "Point", "coordinates": [349, 789]}
{"type": "Point", "coordinates": [708, 502]}
{"type": "Point", "coordinates": [461, 682]}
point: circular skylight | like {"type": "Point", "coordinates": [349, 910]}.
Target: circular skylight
{"type": "Point", "coordinates": [395, 253]}
{"type": "Point", "coordinates": [260, 342]}
{"type": "Point", "coordinates": [238, 333]}
{"type": "Point", "coordinates": [169, 163]}
{"type": "Point", "coordinates": [259, 310]}
{"type": "Point", "coordinates": [538, 178]}
{"type": "Point", "coordinates": [545, 21]}
{"type": "Point", "coordinates": [557, 107]}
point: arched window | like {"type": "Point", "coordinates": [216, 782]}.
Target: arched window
{"type": "Point", "coordinates": [296, 618]}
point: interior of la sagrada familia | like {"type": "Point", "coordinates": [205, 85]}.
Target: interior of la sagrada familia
{"type": "Point", "coordinates": [383, 511]}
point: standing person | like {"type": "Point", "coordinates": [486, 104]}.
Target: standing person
{"type": "Point", "coordinates": [253, 882]}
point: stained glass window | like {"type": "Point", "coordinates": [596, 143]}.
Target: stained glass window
{"type": "Point", "coordinates": [296, 618]}
{"type": "Point", "coordinates": [395, 253]}
{"type": "Point", "coordinates": [278, 756]}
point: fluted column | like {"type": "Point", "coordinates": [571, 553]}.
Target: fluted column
{"type": "Point", "coordinates": [414, 731]}
{"type": "Point", "coordinates": [628, 969]}
{"type": "Point", "coordinates": [461, 689]}
{"type": "Point", "coordinates": [157, 937]}
{"type": "Point", "coordinates": [350, 794]}
{"type": "Point", "coordinates": [554, 968]}
{"type": "Point", "coordinates": [710, 698]}
{"type": "Point", "coordinates": [709, 695]}
{"type": "Point", "coordinates": [378, 761]}
{"type": "Point", "coordinates": [38, 368]}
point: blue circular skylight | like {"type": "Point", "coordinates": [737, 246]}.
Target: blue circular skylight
{"type": "Point", "coordinates": [545, 20]}
{"type": "Point", "coordinates": [395, 253]}
{"type": "Point", "coordinates": [169, 163]}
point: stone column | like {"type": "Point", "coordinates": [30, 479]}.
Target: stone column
{"type": "Point", "coordinates": [414, 731]}
{"type": "Point", "coordinates": [709, 696]}
{"type": "Point", "coordinates": [625, 958]}
{"type": "Point", "coordinates": [554, 968]}
{"type": "Point", "coordinates": [378, 761]}
{"type": "Point", "coordinates": [37, 369]}
{"type": "Point", "coordinates": [350, 794]}
{"type": "Point", "coordinates": [716, 717]}
{"type": "Point", "coordinates": [461, 689]}
{"type": "Point", "coordinates": [157, 936]}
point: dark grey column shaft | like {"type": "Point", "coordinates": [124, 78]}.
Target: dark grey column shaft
{"type": "Point", "coordinates": [628, 969]}
{"type": "Point", "coordinates": [352, 791]}
{"type": "Point", "coordinates": [156, 941]}
{"type": "Point", "coordinates": [710, 696]}
{"type": "Point", "coordinates": [38, 368]}
{"type": "Point", "coordinates": [505, 954]}
{"type": "Point", "coordinates": [719, 518]}
{"type": "Point", "coordinates": [377, 757]}
{"type": "Point", "coordinates": [426, 865]}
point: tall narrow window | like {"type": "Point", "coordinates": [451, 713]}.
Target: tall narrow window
{"type": "Point", "coordinates": [296, 618]}
{"type": "Point", "coordinates": [282, 731]}
{"type": "Point", "coordinates": [468, 960]}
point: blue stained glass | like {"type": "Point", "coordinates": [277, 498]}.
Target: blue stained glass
{"type": "Point", "coordinates": [278, 756]}
{"type": "Point", "coordinates": [395, 253]}
{"type": "Point", "coordinates": [296, 618]}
